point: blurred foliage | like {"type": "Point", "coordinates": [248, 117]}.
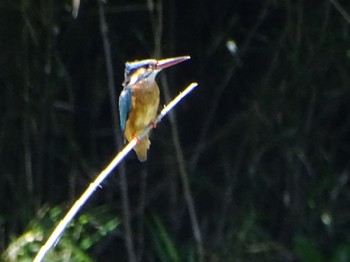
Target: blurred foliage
{"type": "Point", "coordinates": [265, 136]}
{"type": "Point", "coordinates": [165, 247]}
{"type": "Point", "coordinates": [74, 245]}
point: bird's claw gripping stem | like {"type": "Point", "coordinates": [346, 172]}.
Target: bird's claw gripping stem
{"type": "Point", "coordinates": [136, 138]}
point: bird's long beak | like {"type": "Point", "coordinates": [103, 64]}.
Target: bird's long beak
{"type": "Point", "coordinates": [164, 63]}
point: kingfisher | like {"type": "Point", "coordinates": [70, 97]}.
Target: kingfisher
{"type": "Point", "coordinates": [139, 99]}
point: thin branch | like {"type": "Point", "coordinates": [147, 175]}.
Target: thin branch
{"type": "Point", "coordinates": [184, 177]}
{"type": "Point", "coordinates": [56, 234]}
{"type": "Point", "coordinates": [188, 194]}
{"type": "Point", "coordinates": [157, 25]}
{"type": "Point", "coordinates": [118, 140]}
{"type": "Point", "coordinates": [156, 16]}
{"type": "Point", "coordinates": [341, 10]}
{"type": "Point", "coordinates": [141, 212]}
{"type": "Point", "coordinates": [109, 68]}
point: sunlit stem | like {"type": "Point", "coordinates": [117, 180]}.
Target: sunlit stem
{"type": "Point", "coordinates": [54, 238]}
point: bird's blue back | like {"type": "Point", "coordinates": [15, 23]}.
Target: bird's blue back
{"type": "Point", "coordinates": [124, 106]}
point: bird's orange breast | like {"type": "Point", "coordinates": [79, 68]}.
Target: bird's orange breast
{"type": "Point", "coordinates": [145, 103]}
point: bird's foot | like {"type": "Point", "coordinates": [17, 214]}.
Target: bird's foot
{"type": "Point", "coordinates": [137, 138]}
{"type": "Point", "coordinates": [153, 124]}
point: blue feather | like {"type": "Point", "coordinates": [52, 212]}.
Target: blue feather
{"type": "Point", "coordinates": [124, 106]}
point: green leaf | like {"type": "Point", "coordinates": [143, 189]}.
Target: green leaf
{"type": "Point", "coordinates": [165, 246]}
{"type": "Point", "coordinates": [307, 250]}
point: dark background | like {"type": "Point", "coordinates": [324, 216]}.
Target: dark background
{"type": "Point", "coordinates": [251, 166]}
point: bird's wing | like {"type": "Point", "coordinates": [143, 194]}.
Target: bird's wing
{"type": "Point", "coordinates": [124, 106]}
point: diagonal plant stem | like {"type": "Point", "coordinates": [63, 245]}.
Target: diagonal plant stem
{"type": "Point", "coordinates": [56, 234]}
{"type": "Point", "coordinates": [341, 10]}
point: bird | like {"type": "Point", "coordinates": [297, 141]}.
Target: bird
{"type": "Point", "coordinates": [139, 99]}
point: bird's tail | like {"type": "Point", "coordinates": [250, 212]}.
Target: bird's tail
{"type": "Point", "coordinates": [141, 149]}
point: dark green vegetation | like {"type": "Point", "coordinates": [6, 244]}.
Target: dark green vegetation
{"type": "Point", "coordinates": [264, 140]}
